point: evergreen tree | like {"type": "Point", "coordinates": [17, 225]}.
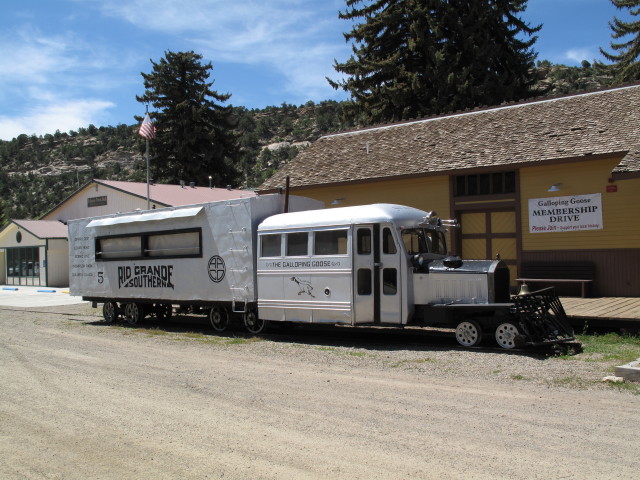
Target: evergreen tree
{"type": "Point", "coordinates": [3, 216]}
{"type": "Point", "coordinates": [194, 136]}
{"type": "Point", "coordinates": [626, 67]}
{"type": "Point", "coordinates": [414, 58]}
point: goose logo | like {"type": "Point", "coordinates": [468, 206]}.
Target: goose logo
{"type": "Point", "coordinates": [304, 287]}
{"type": "Point", "coordinates": [216, 268]}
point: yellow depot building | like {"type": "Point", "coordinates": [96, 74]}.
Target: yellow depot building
{"type": "Point", "coordinates": [552, 186]}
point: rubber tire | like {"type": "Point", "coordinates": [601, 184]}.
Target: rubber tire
{"type": "Point", "coordinates": [469, 333]}
{"type": "Point", "coordinates": [110, 312]}
{"type": "Point", "coordinates": [253, 324]}
{"type": "Point", "coordinates": [506, 334]}
{"type": "Point", "coordinates": [133, 313]}
{"type": "Point", "coordinates": [219, 319]}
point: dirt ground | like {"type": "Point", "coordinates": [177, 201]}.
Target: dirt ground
{"type": "Point", "coordinates": [83, 400]}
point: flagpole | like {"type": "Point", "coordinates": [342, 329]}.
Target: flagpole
{"type": "Point", "coordinates": [148, 202]}
{"type": "Point", "coordinates": [147, 141]}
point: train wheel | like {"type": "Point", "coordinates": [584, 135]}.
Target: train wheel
{"type": "Point", "coordinates": [133, 313]}
{"type": "Point", "coordinates": [469, 333]}
{"type": "Point", "coordinates": [506, 334]}
{"type": "Point", "coordinates": [219, 318]}
{"type": "Point", "coordinates": [254, 324]}
{"type": "Point", "coordinates": [110, 312]}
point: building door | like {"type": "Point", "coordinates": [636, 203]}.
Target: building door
{"type": "Point", "coordinates": [376, 266]}
{"type": "Point", "coordinates": [23, 266]}
{"type": "Point", "coordinates": [490, 234]}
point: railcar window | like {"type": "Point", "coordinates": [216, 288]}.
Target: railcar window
{"type": "Point", "coordinates": [270, 245]}
{"type": "Point", "coordinates": [418, 240]}
{"type": "Point", "coordinates": [388, 245]}
{"type": "Point", "coordinates": [365, 283]}
{"type": "Point", "coordinates": [297, 244]}
{"type": "Point", "coordinates": [364, 241]}
{"type": "Point", "coordinates": [415, 241]}
{"type": "Point", "coordinates": [438, 243]}
{"type": "Point", "coordinates": [330, 242]}
{"type": "Point", "coordinates": [172, 244]}
{"type": "Point", "coordinates": [165, 244]}
{"type": "Point", "coordinates": [119, 247]}
{"type": "Point", "coordinates": [389, 281]}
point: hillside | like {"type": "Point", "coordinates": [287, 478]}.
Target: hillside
{"type": "Point", "coordinates": [38, 172]}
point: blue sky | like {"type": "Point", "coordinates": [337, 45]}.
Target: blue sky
{"type": "Point", "coordinates": [65, 64]}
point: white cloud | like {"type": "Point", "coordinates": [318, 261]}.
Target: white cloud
{"type": "Point", "coordinates": [50, 82]}
{"type": "Point", "coordinates": [577, 55]}
{"type": "Point", "coordinates": [285, 36]}
{"type": "Point", "coordinates": [49, 117]}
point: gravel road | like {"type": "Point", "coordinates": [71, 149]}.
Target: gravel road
{"type": "Point", "coordinates": [83, 400]}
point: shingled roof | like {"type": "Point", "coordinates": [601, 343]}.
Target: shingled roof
{"type": "Point", "coordinates": [584, 125]}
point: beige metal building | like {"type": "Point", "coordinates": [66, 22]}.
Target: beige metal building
{"type": "Point", "coordinates": [36, 252]}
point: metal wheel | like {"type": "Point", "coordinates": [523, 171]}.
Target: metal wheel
{"type": "Point", "coordinates": [254, 324]}
{"type": "Point", "coordinates": [506, 334]}
{"type": "Point", "coordinates": [219, 318]}
{"type": "Point", "coordinates": [469, 333]}
{"type": "Point", "coordinates": [133, 313]}
{"type": "Point", "coordinates": [110, 312]}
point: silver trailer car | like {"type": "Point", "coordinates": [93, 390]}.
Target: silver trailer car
{"type": "Point", "coordinates": [198, 256]}
{"type": "Point", "coordinates": [382, 265]}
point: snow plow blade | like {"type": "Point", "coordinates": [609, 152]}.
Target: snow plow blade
{"type": "Point", "coordinates": [542, 318]}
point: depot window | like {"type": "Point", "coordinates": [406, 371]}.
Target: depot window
{"type": "Point", "coordinates": [148, 245]}
{"type": "Point", "coordinates": [485, 184]}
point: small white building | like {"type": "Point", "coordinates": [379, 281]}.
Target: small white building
{"type": "Point", "coordinates": [36, 252]}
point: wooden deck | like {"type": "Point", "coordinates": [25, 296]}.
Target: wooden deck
{"type": "Point", "coordinates": [603, 311]}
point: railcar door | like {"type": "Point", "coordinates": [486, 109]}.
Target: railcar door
{"type": "Point", "coordinates": [376, 273]}
{"type": "Point", "coordinates": [389, 283]}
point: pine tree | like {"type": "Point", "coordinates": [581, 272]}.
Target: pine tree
{"type": "Point", "coordinates": [3, 216]}
{"type": "Point", "coordinates": [626, 67]}
{"type": "Point", "coordinates": [194, 136]}
{"type": "Point", "coordinates": [414, 58]}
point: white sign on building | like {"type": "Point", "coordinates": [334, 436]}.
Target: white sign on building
{"type": "Point", "coordinates": [565, 214]}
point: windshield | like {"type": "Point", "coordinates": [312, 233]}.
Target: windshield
{"type": "Point", "coordinates": [419, 240]}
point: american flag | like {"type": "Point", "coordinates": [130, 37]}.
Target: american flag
{"type": "Point", "coordinates": [147, 129]}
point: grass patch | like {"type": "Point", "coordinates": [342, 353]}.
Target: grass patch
{"type": "Point", "coordinates": [631, 387]}
{"type": "Point", "coordinates": [417, 361]}
{"type": "Point", "coordinates": [519, 377]}
{"type": "Point", "coordinates": [156, 333]}
{"type": "Point", "coordinates": [327, 349]}
{"type": "Point", "coordinates": [610, 347]}
{"type": "Point", "coordinates": [242, 340]}
{"type": "Point", "coordinates": [574, 382]}
{"type": "Point", "coordinates": [357, 354]}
